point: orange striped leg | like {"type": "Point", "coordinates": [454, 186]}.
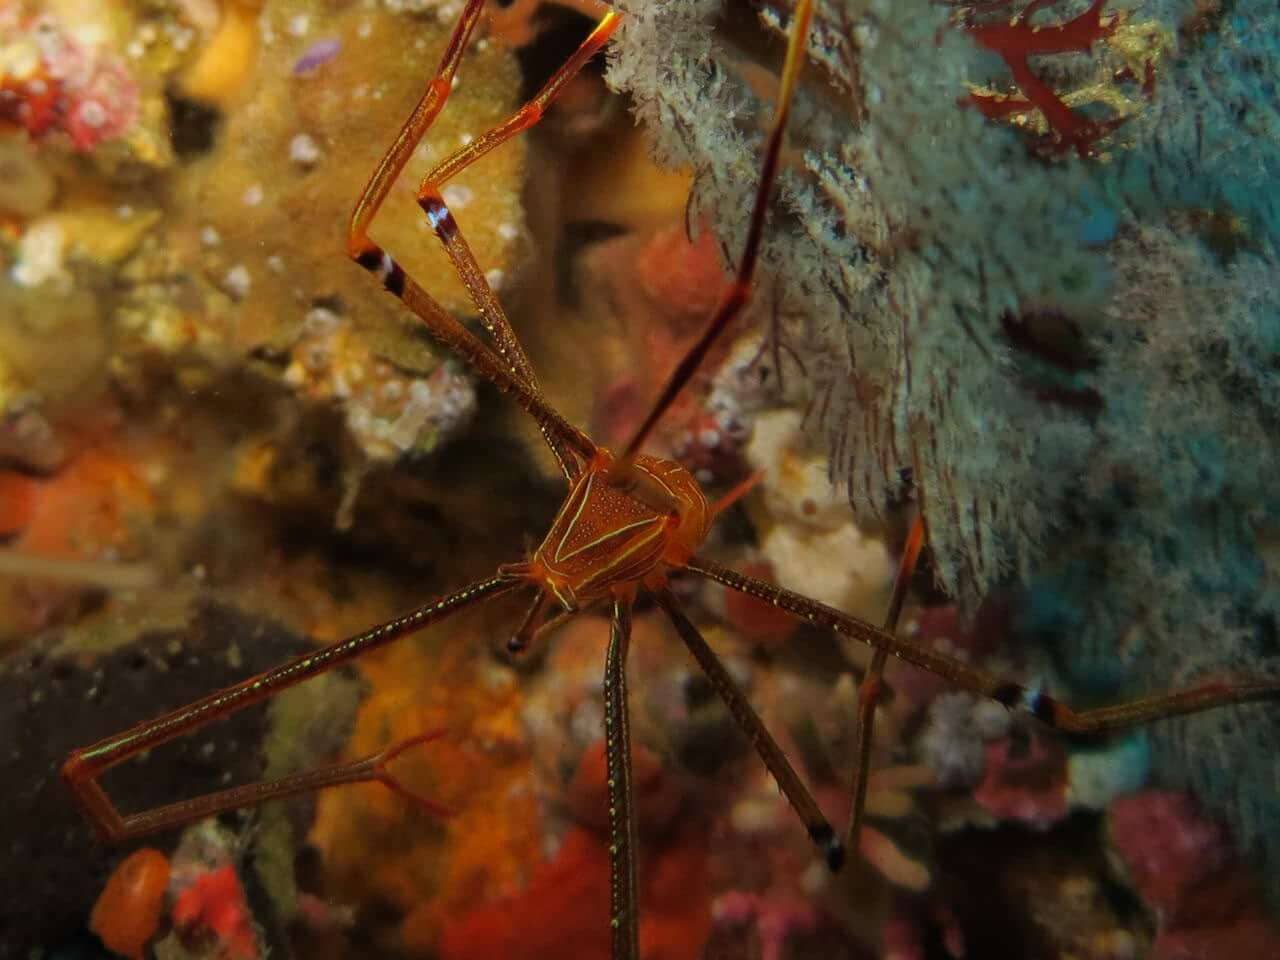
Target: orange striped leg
{"type": "Point", "coordinates": [431, 200]}
{"type": "Point", "coordinates": [739, 490]}
{"type": "Point", "coordinates": [623, 889]}
{"type": "Point", "coordinates": [872, 686]}
{"type": "Point", "coordinates": [739, 294]}
{"type": "Point", "coordinates": [1051, 712]}
{"type": "Point", "coordinates": [433, 204]}
{"type": "Point", "coordinates": [424, 114]}
{"type": "Point", "coordinates": [749, 721]}
{"type": "Point", "coordinates": [82, 769]}
{"type": "Point", "coordinates": [567, 441]}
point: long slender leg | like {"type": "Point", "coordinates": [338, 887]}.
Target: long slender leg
{"type": "Point", "coordinates": [364, 251]}
{"type": "Point", "coordinates": [775, 760]}
{"type": "Point", "coordinates": [872, 685]}
{"type": "Point", "coordinates": [739, 293]}
{"type": "Point", "coordinates": [369, 769]}
{"type": "Point", "coordinates": [623, 889]}
{"type": "Point", "coordinates": [1044, 708]}
{"type": "Point", "coordinates": [424, 114]}
{"type": "Point", "coordinates": [736, 493]}
{"type": "Point", "coordinates": [431, 200]}
{"type": "Point", "coordinates": [82, 769]}
{"type": "Point", "coordinates": [433, 204]}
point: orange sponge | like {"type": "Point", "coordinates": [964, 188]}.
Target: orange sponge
{"type": "Point", "coordinates": [128, 911]}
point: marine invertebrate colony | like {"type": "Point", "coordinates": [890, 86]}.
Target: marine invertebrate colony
{"type": "Point", "coordinates": [51, 83]}
{"type": "Point", "coordinates": [628, 523]}
{"type": "Point", "coordinates": [1071, 350]}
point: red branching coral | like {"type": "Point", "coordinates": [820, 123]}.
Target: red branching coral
{"type": "Point", "coordinates": [1016, 40]}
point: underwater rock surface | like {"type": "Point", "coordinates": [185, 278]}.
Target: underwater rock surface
{"type": "Point", "coordinates": [65, 691]}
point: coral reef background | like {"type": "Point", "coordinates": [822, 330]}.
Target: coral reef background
{"type": "Point", "coordinates": [1063, 323]}
{"type": "Point", "coordinates": [1020, 274]}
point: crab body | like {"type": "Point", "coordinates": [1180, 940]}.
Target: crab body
{"type": "Point", "coordinates": [616, 533]}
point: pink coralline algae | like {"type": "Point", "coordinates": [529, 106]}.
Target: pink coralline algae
{"type": "Point", "coordinates": [51, 84]}
{"type": "Point", "coordinates": [776, 920]}
{"type": "Point", "coordinates": [1185, 869]}
{"type": "Point", "coordinates": [1024, 779]}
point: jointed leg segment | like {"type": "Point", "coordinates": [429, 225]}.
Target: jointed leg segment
{"type": "Point", "coordinates": [508, 368]}
{"type": "Point", "coordinates": [872, 685]}
{"type": "Point", "coordinates": [623, 888]}
{"type": "Point", "coordinates": [739, 293]}
{"type": "Point", "coordinates": [432, 202]}
{"type": "Point", "coordinates": [83, 767]}
{"type": "Point", "coordinates": [1044, 708]}
{"type": "Point", "coordinates": [749, 721]}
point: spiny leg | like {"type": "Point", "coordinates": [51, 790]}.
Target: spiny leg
{"type": "Point", "coordinates": [432, 201]}
{"type": "Point", "coordinates": [442, 221]}
{"type": "Point", "coordinates": [458, 338]}
{"type": "Point", "coordinates": [82, 769]}
{"type": "Point", "coordinates": [1051, 712]}
{"type": "Point", "coordinates": [744, 714]}
{"type": "Point", "coordinates": [623, 889]}
{"type": "Point", "coordinates": [424, 114]}
{"type": "Point", "coordinates": [739, 293]}
{"type": "Point", "coordinates": [872, 685]}
{"type": "Point", "coordinates": [445, 328]}
{"type": "Point", "coordinates": [533, 620]}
